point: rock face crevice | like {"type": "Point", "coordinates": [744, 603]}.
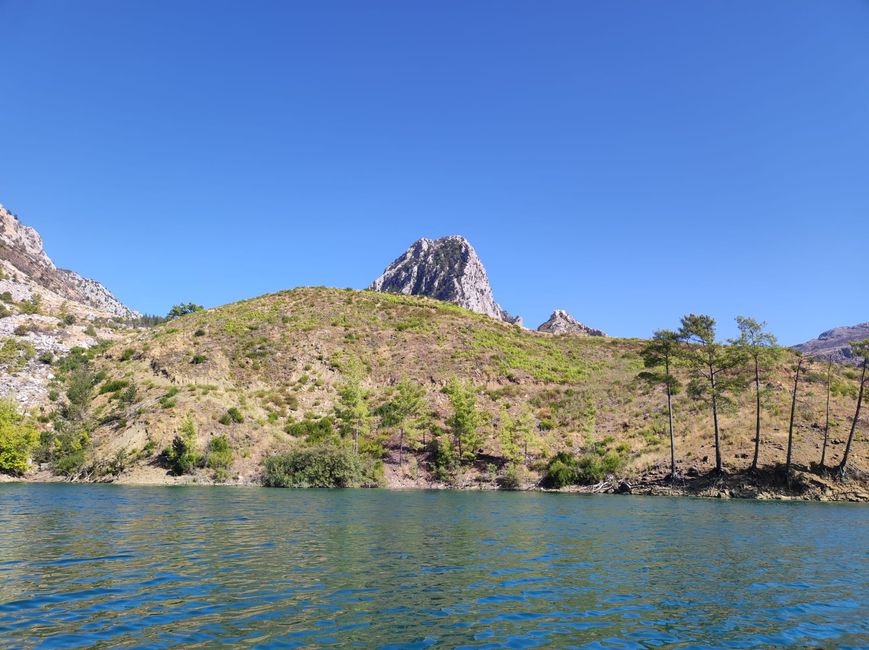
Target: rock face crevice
{"type": "Point", "coordinates": [834, 344]}
{"type": "Point", "coordinates": [22, 248]}
{"type": "Point", "coordinates": [563, 323]}
{"type": "Point", "coordinates": [447, 269]}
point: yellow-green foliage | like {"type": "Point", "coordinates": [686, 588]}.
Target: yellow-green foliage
{"type": "Point", "coordinates": [14, 354]}
{"type": "Point", "coordinates": [17, 438]}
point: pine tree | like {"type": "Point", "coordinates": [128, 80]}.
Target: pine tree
{"type": "Point", "coordinates": [465, 419]}
{"type": "Point", "coordinates": [659, 357]}
{"type": "Point", "coordinates": [760, 347]}
{"type": "Point", "coordinates": [861, 350]}
{"type": "Point", "coordinates": [409, 408]}
{"type": "Point", "coordinates": [708, 360]}
{"type": "Point", "coordinates": [352, 410]}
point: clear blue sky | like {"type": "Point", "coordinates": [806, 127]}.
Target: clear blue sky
{"type": "Point", "coordinates": [626, 161]}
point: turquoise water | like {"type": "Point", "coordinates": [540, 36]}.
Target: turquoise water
{"type": "Point", "coordinates": [105, 566]}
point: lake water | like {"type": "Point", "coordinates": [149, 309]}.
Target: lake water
{"type": "Point", "coordinates": [105, 566]}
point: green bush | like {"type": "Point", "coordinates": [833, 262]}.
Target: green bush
{"type": "Point", "coordinates": [512, 477]}
{"type": "Point", "coordinates": [113, 386]}
{"type": "Point", "coordinates": [17, 437]}
{"type": "Point", "coordinates": [128, 354]}
{"type": "Point", "coordinates": [315, 431]}
{"type": "Point", "coordinates": [560, 471]}
{"type": "Point", "coordinates": [198, 358]}
{"type": "Point", "coordinates": [444, 458]}
{"type": "Point", "coordinates": [181, 456]}
{"type": "Point", "coordinates": [320, 467]}
{"type": "Point", "coordinates": [32, 306]}
{"type": "Point", "coordinates": [69, 451]}
{"type": "Point", "coordinates": [218, 454]}
{"type": "Point", "coordinates": [235, 415]}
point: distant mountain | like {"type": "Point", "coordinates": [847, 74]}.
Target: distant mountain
{"type": "Point", "coordinates": [563, 323]}
{"type": "Point", "coordinates": [29, 270]}
{"type": "Point", "coordinates": [447, 269]}
{"type": "Point", "coordinates": [834, 344]}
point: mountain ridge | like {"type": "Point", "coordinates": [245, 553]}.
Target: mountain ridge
{"type": "Point", "coordinates": [22, 252]}
{"type": "Point", "coordinates": [834, 344]}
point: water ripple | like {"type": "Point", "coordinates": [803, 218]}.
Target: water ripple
{"type": "Point", "coordinates": [106, 566]}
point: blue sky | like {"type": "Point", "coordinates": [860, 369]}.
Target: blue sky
{"type": "Point", "coordinates": [628, 161]}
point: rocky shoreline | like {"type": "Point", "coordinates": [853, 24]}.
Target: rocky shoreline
{"type": "Point", "coordinates": [760, 485]}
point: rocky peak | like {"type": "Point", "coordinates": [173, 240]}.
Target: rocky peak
{"type": "Point", "coordinates": [447, 269]}
{"type": "Point", "coordinates": [563, 323]}
{"type": "Point", "coordinates": [23, 258]}
{"type": "Point", "coordinates": [834, 344]}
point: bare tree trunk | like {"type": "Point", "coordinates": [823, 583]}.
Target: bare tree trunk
{"type": "Point", "coordinates": [400, 448]}
{"type": "Point", "coordinates": [844, 462]}
{"type": "Point", "coordinates": [718, 465]}
{"type": "Point", "coordinates": [670, 415]}
{"type": "Point", "coordinates": [791, 426]}
{"type": "Point", "coordinates": [757, 407]}
{"type": "Point", "coordinates": [827, 424]}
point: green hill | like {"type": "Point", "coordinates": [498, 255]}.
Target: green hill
{"type": "Point", "coordinates": [263, 376]}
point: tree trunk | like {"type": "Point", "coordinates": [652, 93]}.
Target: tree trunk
{"type": "Point", "coordinates": [670, 415]}
{"type": "Point", "coordinates": [718, 465]}
{"type": "Point", "coordinates": [844, 462]}
{"type": "Point", "coordinates": [791, 425]}
{"type": "Point", "coordinates": [827, 424]}
{"type": "Point", "coordinates": [757, 408]}
{"type": "Point", "coordinates": [400, 448]}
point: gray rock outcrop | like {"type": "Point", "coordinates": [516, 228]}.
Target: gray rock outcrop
{"type": "Point", "coordinates": [563, 323]}
{"type": "Point", "coordinates": [23, 257]}
{"type": "Point", "coordinates": [447, 269]}
{"type": "Point", "coordinates": [834, 344]}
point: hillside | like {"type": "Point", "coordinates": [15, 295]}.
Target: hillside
{"type": "Point", "coordinates": [265, 372]}
{"type": "Point", "coordinates": [45, 312]}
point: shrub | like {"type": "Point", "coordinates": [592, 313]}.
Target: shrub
{"type": "Point", "coordinates": [315, 431]}
{"type": "Point", "coordinates": [512, 478]}
{"type": "Point", "coordinates": [128, 354]}
{"type": "Point", "coordinates": [181, 456]}
{"type": "Point", "coordinates": [69, 451]}
{"type": "Point", "coordinates": [68, 319]}
{"type": "Point", "coordinates": [235, 415]}
{"type": "Point", "coordinates": [32, 306]}
{"type": "Point", "coordinates": [6, 297]}
{"type": "Point", "coordinates": [320, 467]}
{"type": "Point", "coordinates": [113, 386]}
{"type": "Point", "coordinates": [560, 471]}
{"type": "Point", "coordinates": [199, 333]}
{"type": "Point", "coordinates": [23, 329]}
{"type": "Point", "coordinates": [17, 438]}
{"type": "Point", "coordinates": [219, 455]}
{"type": "Point", "coordinates": [444, 459]}
{"type": "Point", "coordinates": [46, 357]}
{"type": "Point", "coordinates": [198, 358]}
{"type": "Point", "coordinates": [90, 331]}
{"type": "Point", "coordinates": [167, 400]}
{"type": "Point", "coordinates": [4, 311]}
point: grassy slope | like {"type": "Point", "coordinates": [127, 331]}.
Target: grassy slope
{"type": "Point", "coordinates": [279, 356]}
